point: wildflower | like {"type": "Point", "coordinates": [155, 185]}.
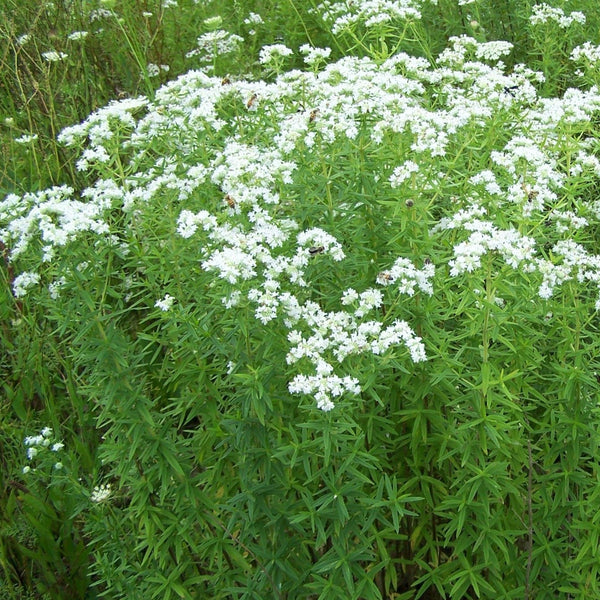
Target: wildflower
{"type": "Point", "coordinates": [544, 13]}
{"type": "Point", "coordinates": [273, 53]}
{"type": "Point", "coordinates": [215, 43]}
{"type": "Point", "coordinates": [54, 56]}
{"type": "Point", "coordinates": [253, 19]}
{"type": "Point", "coordinates": [55, 287]}
{"type": "Point", "coordinates": [213, 22]}
{"type": "Point", "coordinates": [77, 35]}
{"type": "Point", "coordinates": [26, 139]}
{"type": "Point", "coordinates": [370, 13]}
{"type": "Point", "coordinates": [100, 493]}
{"type": "Point", "coordinates": [23, 282]}
{"type": "Point", "coordinates": [165, 303]}
{"type": "Point", "coordinates": [314, 56]}
{"type": "Point", "coordinates": [403, 172]}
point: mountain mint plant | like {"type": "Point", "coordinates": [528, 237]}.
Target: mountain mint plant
{"type": "Point", "coordinates": [338, 324]}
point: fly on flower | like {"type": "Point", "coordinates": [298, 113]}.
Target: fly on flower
{"type": "Point", "coordinates": [252, 101]}
{"type": "Point", "coordinates": [316, 250]}
{"type": "Point", "coordinates": [531, 193]}
{"type": "Point", "coordinates": [385, 277]}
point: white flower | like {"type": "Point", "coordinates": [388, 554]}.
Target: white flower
{"type": "Point", "coordinates": [53, 56]}
{"type": "Point", "coordinates": [543, 13]}
{"type": "Point", "coordinates": [33, 440]}
{"type": "Point", "coordinates": [26, 139]}
{"type": "Point", "coordinates": [314, 56]}
{"type": "Point", "coordinates": [232, 264]}
{"type": "Point", "coordinates": [367, 301]}
{"type": "Point", "coordinates": [23, 282]}
{"type": "Point", "coordinates": [370, 13]}
{"type": "Point", "coordinates": [165, 303]}
{"type": "Point", "coordinates": [101, 493]}
{"type": "Point", "coordinates": [77, 35]}
{"type": "Point", "coordinates": [349, 297]}
{"type": "Point", "coordinates": [253, 19]}
{"type": "Point", "coordinates": [213, 22]}
{"type": "Point", "coordinates": [403, 172]}
{"type": "Point", "coordinates": [55, 287]}
{"type": "Point", "coordinates": [215, 43]}
{"type": "Point", "coordinates": [586, 51]}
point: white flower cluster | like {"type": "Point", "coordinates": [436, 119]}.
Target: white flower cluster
{"type": "Point", "coordinates": [515, 249]}
{"type": "Point", "coordinates": [26, 138]}
{"type": "Point", "coordinates": [567, 221]}
{"type": "Point", "coordinates": [314, 56]}
{"type": "Point", "coordinates": [165, 303]}
{"type": "Point", "coordinates": [253, 19]}
{"type": "Point", "coordinates": [76, 36]}
{"type": "Point", "coordinates": [23, 282]}
{"type": "Point", "coordinates": [341, 334]}
{"type": "Point", "coordinates": [238, 199]}
{"type": "Point", "coordinates": [544, 13]}
{"type": "Point", "coordinates": [38, 445]}
{"type": "Point", "coordinates": [54, 214]}
{"type": "Point", "coordinates": [403, 172]}
{"type": "Point", "coordinates": [104, 125]}
{"type": "Point", "coordinates": [406, 277]}
{"type": "Point", "coordinates": [212, 44]}
{"type": "Point", "coordinates": [273, 53]}
{"type": "Point", "coordinates": [588, 52]}
{"type": "Point", "coordinates": [155, 70]}
{"type": "Point", "coordinates": [101, 493]}
{"type": "Point", "coordinates": [369, 13]}
{"type": "Point", "coordinates": [577, 263]}
{"type": "Point", "coordinates": [54, 56]}
{"type": "Point", "coordinates": [465, 48]}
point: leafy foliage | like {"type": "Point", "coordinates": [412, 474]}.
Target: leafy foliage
{"type": "Point", "coordinates": [319, 324]}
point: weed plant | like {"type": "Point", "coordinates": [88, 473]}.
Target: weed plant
{"type": "Point", "coordinates": [300, 300]}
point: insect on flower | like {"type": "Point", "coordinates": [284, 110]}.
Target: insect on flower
{"type": "Point", "coordinates": [384, 276]}
{"type": "Point", "coordinates": [316, 250]}
{"type": "Point", "coordinates": [226, 80]}
{"type": "Point", "coordinates": [313, 115]}
{"type": "Point", "coordinates": [252, 100]}
{"type": "Point", "coordinates": [230, 201]}
{"type": "Point", "coordinates": [531, 194]}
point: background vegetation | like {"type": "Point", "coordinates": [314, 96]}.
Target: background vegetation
{"type": "Point", "coordinates": [474, 474]}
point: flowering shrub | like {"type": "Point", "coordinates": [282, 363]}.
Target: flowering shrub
{"type": "Point", "coordinates": [338, 327]}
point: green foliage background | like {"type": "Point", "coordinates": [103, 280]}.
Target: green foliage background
{"type": "Point", "coordinates": [474, 475]}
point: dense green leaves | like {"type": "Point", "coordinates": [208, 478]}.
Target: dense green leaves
{"type": "Point", "coordinates": [190, 470]}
